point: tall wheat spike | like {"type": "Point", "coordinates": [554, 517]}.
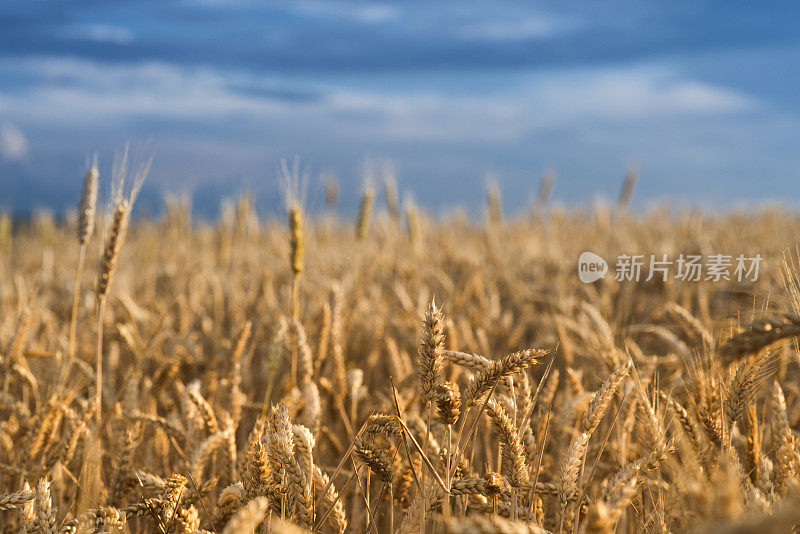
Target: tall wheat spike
{"type": "Point", "coordinates": [116, 233]}
{"type": "Point", "coordinates": [86, 223]}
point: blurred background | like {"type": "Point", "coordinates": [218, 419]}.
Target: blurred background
{"type": "Point", "coordinates": [701, 97]}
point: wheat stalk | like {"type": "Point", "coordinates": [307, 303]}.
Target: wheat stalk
{"type": "Point", "coordinates": [86, 212]}
{"type": "Point", "coordinates": [364, 213]}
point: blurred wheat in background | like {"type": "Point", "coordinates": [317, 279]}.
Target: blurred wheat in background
{"type": "Point", "coordinates": [393, 373]}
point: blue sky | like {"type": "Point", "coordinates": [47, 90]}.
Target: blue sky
{"type": "Point", "coordinates": [701, 96]}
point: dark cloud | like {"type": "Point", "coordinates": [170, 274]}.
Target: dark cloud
{"type": "Point", "coordinates": [308, 37]}
{"type": "Point", "coordinates": [697, 93]}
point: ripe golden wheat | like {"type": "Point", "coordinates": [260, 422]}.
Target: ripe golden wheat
{"type": "Point", "coordinates": [382, 375]}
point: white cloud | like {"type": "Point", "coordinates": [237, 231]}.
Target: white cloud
{"type": "Point", "coordinates": [542, 101]}
{"type": "Point", "coordinates": [13, 143]}
{"type": "Point", "coordinates": [642, 92]}
{"type": "Point", "coordinates": [104, 33]}
{"type": "Point", "coordinates": [99, 92]}
{"type": "Point", "coordinates": [368, 13]}
{"type": "Point", "coordinates": [537, 27]}
{"type": "Point", "coordinates": [520, 104]}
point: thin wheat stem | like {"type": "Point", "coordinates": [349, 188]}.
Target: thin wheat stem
{"type": "Point", "coordinates": [295, 316]}
{"type": "Point", "coordinates": [73, 321]}
{"type": "Point", "coordinates": [372, 515]}
{"type": "Point", "coordinates": [101, 306]}
{"type": "Point", "coordinates": [474, 425]}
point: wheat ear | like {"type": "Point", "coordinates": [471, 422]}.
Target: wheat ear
{"type": "Point", "coordinates": [297, 244]}
{"type": "Point", "coordinates": [247, 519]}
{"type": "Point", "coordinates": [364, 213]}
{"type": "Point", "coordinates": [760, 335]}
{"type": "Point", "coordinates": [86, 212]}
{"type": "Point", "coordinates": [497, 370]}
{"type": "Point", "coordinates": [11, 501]}
{"type": "Point", "coordinates": [602, 398]}
{"type": "Point", "coordinates": [116, 237]}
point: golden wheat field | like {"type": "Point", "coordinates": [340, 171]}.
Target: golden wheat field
{"type": "Point", "coordinates": [394, 373]}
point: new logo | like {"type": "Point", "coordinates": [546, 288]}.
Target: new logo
{"type": "Point", "coordinates": [591, 267]}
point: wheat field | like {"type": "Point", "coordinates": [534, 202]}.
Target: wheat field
{"type": "Point", "coordinates": [394, 373]}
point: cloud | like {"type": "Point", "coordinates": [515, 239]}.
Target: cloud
{"type": "Point", "coordinates": [367, 13]}
{"type": "Point", "coordinates": [13, 143]}
{"type": "Point", "coordinates": [633, 93]}
{"type": "Point", "coordinates": [317, 37]}
{"type": "Point", "coordinates": [535, 27]}
{"type": "Point", "coordinates": [363, 12]}
{"type": "Point", "coordinates": [568, 100]}
{"type": "Point", "coordinates": [94, 93]}
{"type": "Point", "coordinates": [102, 33]}
{"type": "Point", "coordinates": [70, 90]}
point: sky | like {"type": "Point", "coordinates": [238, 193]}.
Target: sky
{"type": "Point", "coordinates": [700, 96]}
